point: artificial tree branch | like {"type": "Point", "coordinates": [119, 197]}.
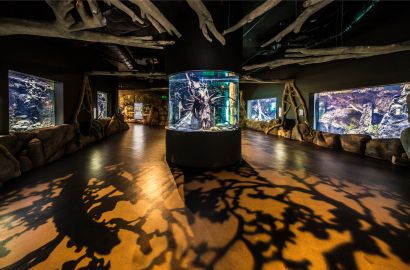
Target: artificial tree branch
{"type": "Point", "coordinates": [118, 4]}
{"type": "Point", "coordinates": [155, 16]}
{"type": "Point", "coordinates": [265, 7]}
{"type": "Point", "coordinates": [62, 11]}
{"type": "Point", "coordinates": [9, 27]}
{"type": "Point", "coordinates": [205, 21]}
{"type": "Point", "coordinates": [303, 56]}
{"type": "Point", "coordinates": [96, 20]}
{"type": "Point", "coordinates": [298, 23]}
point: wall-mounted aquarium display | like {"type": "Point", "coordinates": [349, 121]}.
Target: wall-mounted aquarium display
{"type": "Point", "coordinates": [377, 111]}
{"type": "Point", "coordinates": [261, 109]}
{"type": "Point", "coordinates": [138, 111]}
{"type": "Point", "coordinates": [204, 100]}
{"type": "Point", "coordinates": [31, 102]}
{"type": "Point", "coordinates": [102, 104]}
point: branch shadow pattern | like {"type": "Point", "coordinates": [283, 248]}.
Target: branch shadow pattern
{"type": "Point", "coordinates": [83, 217]}
{"type": "Point", "coordinates": [282, 212]}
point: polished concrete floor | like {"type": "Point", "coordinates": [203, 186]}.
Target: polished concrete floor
{"type": "Point", "coordinates": [289, 205]}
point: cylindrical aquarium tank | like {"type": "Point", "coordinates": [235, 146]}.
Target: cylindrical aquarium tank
{"type": "Point", "coordinates": [203, 119]}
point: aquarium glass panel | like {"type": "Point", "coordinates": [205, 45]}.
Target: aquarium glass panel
{"type": "Point", "coordinates": [102, 104]}
{"type": "Point", "coordinates": [138, 107]}
{"type": "Point", "coordinates": [204, 100]}
{"type": "Point", "coordinates": [31, 102]}
{"type": "Point", "coordinates": [377, 111]}
{"type": "Point", "coordinates": [262, 109]}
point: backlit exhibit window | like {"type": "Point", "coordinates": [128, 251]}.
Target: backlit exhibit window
{"type": "Point", "coordinates": [204, 100]}
{"type": "Point", "coordinates": [377, 111]}
{"type": "Point", "coordinates": [31, 102]}
{"type": "Point", "coordinates": [102, 104]}
{"type": "Point", "coordinates": [138, 106]}
{"type": "Point", "coordinates": [261, 109]}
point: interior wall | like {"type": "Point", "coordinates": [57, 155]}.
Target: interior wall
{"type": "Point", "coordinates": [337, 75]}
{"type": "Point", "coordinates": [51, 59]}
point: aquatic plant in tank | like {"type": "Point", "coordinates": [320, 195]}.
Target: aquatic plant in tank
{"type": "Point", "coordinates": [380, 112]}
{"type": "Point", "coordinates": [31, 102]}
{"type": "Point", "coordinates": [261, 109]}
{"type": "Point", "coordinates": [203, 101]}
{"type": "Point", "coordinates": [102, 104]}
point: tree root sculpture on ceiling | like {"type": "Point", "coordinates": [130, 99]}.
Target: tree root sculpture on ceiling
{"type": "Point", "coordinates": [260, 10]}
{"type": "Point", "coordinates": [313, 6]}
{"type": "Point", "coordinates": [302, 56]}
{"type": "Point", "coordinates": [205, 21]}
{"type": "Point", "coordinates": [68, 27]}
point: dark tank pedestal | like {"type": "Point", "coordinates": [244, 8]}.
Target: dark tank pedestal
{"type": "Point", "coordinates": [203, 149]}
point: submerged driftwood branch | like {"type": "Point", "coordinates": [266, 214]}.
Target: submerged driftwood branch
{"type": "Point", "coordinates": [205, 21]}
{"type": "Point", "coordinates": [314, 56]}
{"type": "Point", "coordinates": [298, 23]}
{"type": "Point", "coordinates": [260, 10]}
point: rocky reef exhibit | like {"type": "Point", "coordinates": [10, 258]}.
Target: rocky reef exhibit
{"type": "Point", "coordinates": [261, 109]}
{"type": "Point", "coordinates": [380, 112]}
{"type": "Point", "coordinates": [31, 102]}
{"type": "Point", "coordinates": [102, 104]}
{"type": "Point", "coordinates": [204, 100]}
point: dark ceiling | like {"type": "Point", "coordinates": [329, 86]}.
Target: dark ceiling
{"type": "Point", "coordinates": [340, 23]}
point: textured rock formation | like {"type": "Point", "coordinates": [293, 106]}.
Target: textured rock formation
{"type": "Point", "coordinates": [405, 141]}
{"type": "Point", "coordinates": [10, 142]}
{"type": "Point", "coordinates": [54, 139]}
{"type": "Point", "coordinates": [25, 164]}
{"type": "Point", "coordinates": [35, 152]}
{"type": "Point", "coordinates": [384, 148]}
{"type": "Point", "coordinates": [114, 126]}
{"type": "Point", "coordinates": [284, 133]}
{"type": "Point", "coordinates": [325, 139]}
{"type": "Point", "coordinates": [354, 143]}
{"type": "Point", "coordinates": [256, 125]}
{"type": "Point", "coordinates": [9, 166]}
{"type": "Point", "coordinates": [302, 132]}
{"type": "Point", "coordinates": [23, 151]}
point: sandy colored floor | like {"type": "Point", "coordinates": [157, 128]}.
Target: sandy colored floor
{"type": "Point", "coordinates": [289, 205]}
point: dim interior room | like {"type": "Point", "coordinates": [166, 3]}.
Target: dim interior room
{"type": "Point", "coordinates": [202, 134]}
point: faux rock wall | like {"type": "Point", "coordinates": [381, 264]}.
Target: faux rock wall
{"type": "Point", "coordinates": [23, 151]}
{"type": "Point", "coordinates": [386, 149]}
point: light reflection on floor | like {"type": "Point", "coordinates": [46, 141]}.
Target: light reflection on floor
{"type": "Point", "coordinates": [117, 205]}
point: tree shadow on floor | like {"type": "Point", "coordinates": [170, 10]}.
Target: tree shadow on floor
{"type": "Point", "coordinates": [240, 217]}
{"type": "Point", "coordinates": [81, 217]}
{"type": "Point", "coordinates": [297, 220]}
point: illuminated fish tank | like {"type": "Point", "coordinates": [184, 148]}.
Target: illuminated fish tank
{"type": "Point", "coordinates": [261, 109]}
{"type": "Point", "coordinates": [102, 100]}
{"type": "Point", "coordinates": [380, 112]}
{"type": "Point", "coordinates": [31, 102]}
{"type": "Point", "coordinates": [203, 101]}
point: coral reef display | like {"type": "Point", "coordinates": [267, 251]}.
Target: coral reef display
{"type": "Point", "coordinates": [31, 102]}
{"type": "Point", "coordinates": [102, 104]}
{"type": "Point", "coordinates": [262, 109]}
{"type": "Point", "coordinates": [204, 100]}
{"type": "Point", "coordinates": [380, 112]}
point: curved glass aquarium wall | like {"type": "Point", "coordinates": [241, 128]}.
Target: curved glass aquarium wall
{"type": "Point", "coordinates": [203, 100]}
